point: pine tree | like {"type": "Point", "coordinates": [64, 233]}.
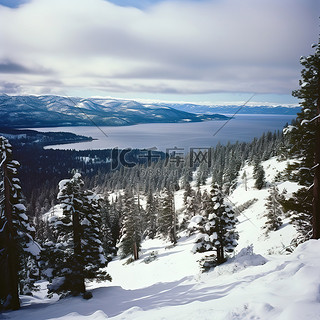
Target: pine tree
{"type": "Point", "coordinates": [108, 242]}
{"type": "Point", "coordinates": [231, 173]}
{"type": "Point", "coordinates": [221, 225]}
{"type": "Point", "coordinates": [167, 217]}
{"type": "Point", "coordinates": [192, 203]}
{"type": "Point", "coordinates": [188, 192]}
{"type": "Point", "coordinates": [300, 208]}
{"type": "Point", "coordinates": [151, 216]}
{"type": "Point", "coordinates": [115, 218]}
{"type": "Point", "coordinates": [130, 241]}
{"type": "Point", "coordinates": [92, 250]}
{"type": "Point", "coordinates": [259, 175]}
{"type": "Point", "coordinates": [202, 242]}
{"type": "Point", "coordinates": [217, 226]}
{"type": "Point", "coordinates": [196, 220]}
{"type": "Point", "coordinates": [304, 137]}
{"type": "Point", "coordinates": [76, 252]}
{"type": "Point", "coordinates": [274, 210]}
{"type": "Point", "coordinates": [18, 269]}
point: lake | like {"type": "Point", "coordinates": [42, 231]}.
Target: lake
{"type": "Point", "coordinates": [169, 135]}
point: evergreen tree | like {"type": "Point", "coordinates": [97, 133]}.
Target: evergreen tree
{"type": "Point", "coordinates": [108, 242]}
{"type": "Point", "coordinates": [259, 175]}
{"type": "Point", "coordinates": [192, 203]}
{"type": "Point", "coordinates": [151, 216]}
{"type": "Point", "coordinates": [274, 210]}
{"type": "Point", "coordinates": [76, 252]}
{"type": "Point", "coordinates": [231, 172]}
{"type": "Point", "coordinates": [187, 193]}
{"type": "Point", "coordinates": [92, 248]}
{"type": "Point", "coordinates": [167, 217]}
{"type": "Point", "coordinates": [217, 227]}
{"type": "Point", "coordinates": [304, 138]}
{"type": "Point", "coordinates": [18, 270]}
{"type": "Point", "coordinates": [130, 241]}
{"type": "Point", "coordinates": [115, 218]}
{"type": "Point", "coordinates": [300, 207]}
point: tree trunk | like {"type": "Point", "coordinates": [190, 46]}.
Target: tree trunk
{"type": "Point", "coordinates": [78, 286]}
{"type": "Point", "coordinates": [12, 281]}
{"type": "Point", "coordinates": [316, 181]}
{"type": "Point", "coordinates": [174, 226]}
{"type": "Point", "coordinates": [135, 251]}
{"type": "Point", "coordinates": [220, 255]}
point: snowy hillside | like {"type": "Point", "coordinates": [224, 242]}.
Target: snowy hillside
{"type": "Point", "coordinates": [259, 282]}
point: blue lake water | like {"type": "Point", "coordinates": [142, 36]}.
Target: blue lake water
{"type": "Point", "coordinates": [180, 135]}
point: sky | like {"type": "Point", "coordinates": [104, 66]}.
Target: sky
{"type": "Point", "coordinates": [209, 51]}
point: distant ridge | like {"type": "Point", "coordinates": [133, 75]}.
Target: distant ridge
{"type": "Point", "coordinates": [231, 109]}
{"type": "Point", "coordinates": [56, 111]}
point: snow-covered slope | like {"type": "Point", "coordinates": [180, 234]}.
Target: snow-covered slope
{"type": "Point", "coordinates": [252, 220]}
{"type": "Point", "coordinates": [166, 282]}
{"type": "Point", "coordinates": [170, 287]}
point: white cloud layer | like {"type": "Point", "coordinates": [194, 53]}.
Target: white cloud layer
{"type": "Point", "coordinates": [172, 47]}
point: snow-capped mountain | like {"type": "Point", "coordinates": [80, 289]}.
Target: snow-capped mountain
{"type": "Point", "coordinates": [251, 108]}
{"type": "Point", "coordinates": [42, 111]}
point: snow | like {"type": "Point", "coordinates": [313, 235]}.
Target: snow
{"type": "Point", "coordinates": [56, 211]}
{"type": "Point", "coordinates": [63, 183]}
{"type": "Point", "coordinates": [248, 286]}
{"type": "Point", "coordinates": [33, 248]}
{"type": "Point", "coordinates": [20, 207]}
{"type": "Point", "coordinates": [288, 129]}
{"type": "Point", "coordinates": [258, 282]}
{"type": "Point", "coordinates": [85, 222]}
{"type": "Point", "coordinates": [23, 216]}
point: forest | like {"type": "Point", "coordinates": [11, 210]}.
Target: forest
{"type": "Point", "coordinates": [66, 214]}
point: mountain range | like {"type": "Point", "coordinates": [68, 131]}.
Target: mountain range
{"type": "Point", "coordinates": [257, 108]}
{"type": "Point", "coordinates": [55, 111]}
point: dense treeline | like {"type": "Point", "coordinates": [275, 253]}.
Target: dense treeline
{"type": "Point", "coordinates": [42, 169]}
{"type": "Point", "coordinates": [222, 162]}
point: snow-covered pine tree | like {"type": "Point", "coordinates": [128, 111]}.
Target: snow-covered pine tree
{"type": "Point", "coordinates": [304, 138]}
{"type": "Point", "coordinates": [300, 208]}
{"type": "Point", "coordinates": [197, 225]}
{"type": "Point", "coordinates": [274, 210]}
{"type": "Point", "coordinates": [92, 250]}
{"type": "Point", "coordinates": [217, 226]}
{"type": "Point", "coordinates": [167, 217]}
{"type": "Point", "coordinates": [221, 225]}
{"type": "Point", "coordinates": [130, 240]}
{"type": "Point", "coordinates": [259, 175]}
{"type": "Point", "coordinates": [115, 217]}
{"type": "Point", "coordinates": [231, 172]}
{"type": "Point", "coordinates": [108, 242]}
{"type": "Point", "coordinates": [192, 204]}
{"type": "Point", "coordinates": [187, 192]}
{"type": "Point", "coordinates": [18, 269]}
{"type": "Point", "coordinates": [76, 252]}
{"type": "Point", "coordinates": [70, 232]}
{"type": "Point", "coordinates": [151, 215]}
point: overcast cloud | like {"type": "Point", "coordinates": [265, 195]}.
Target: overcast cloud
{"type": "Point", "coordinates": [183, 47]}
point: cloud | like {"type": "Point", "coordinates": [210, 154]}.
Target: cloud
{"type": "Point", "coordinates": [15, 68]}
{"type": "Point", "coordinates": [182, 47]}
{"type": "Point", "coordinates": [10, 88]}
